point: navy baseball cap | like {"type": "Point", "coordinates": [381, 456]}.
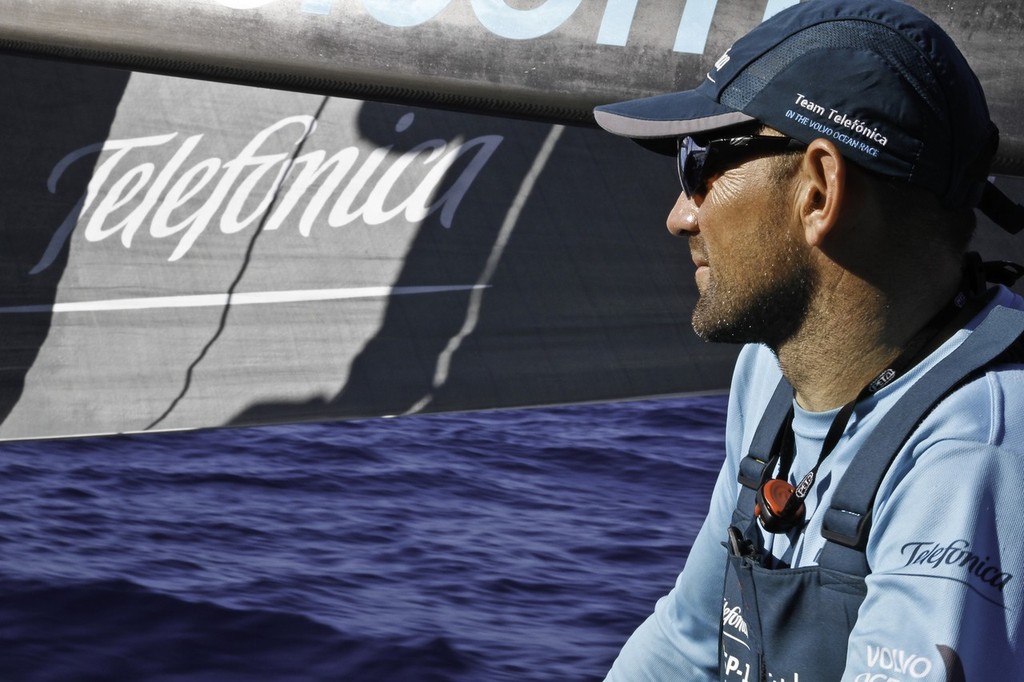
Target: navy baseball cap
{"type": "Point", "coordinates": [877, 77]}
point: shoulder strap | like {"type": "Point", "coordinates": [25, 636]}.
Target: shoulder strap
{"type": "Point", "coordinates": [848, 518]}
{"type": "Point", "coordinates": [753, 466]}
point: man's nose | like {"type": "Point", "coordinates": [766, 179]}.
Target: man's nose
{"type": "Point", "coordinates": [682, 219]}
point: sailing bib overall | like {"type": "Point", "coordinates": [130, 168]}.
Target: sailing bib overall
{"type": "Point", "coordinates": [793, 624]}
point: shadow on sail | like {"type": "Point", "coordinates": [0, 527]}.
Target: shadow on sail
{"type": "Point", "coordinates": [563, 286]}
{"type": "Point", "coordinates": [52, 109]}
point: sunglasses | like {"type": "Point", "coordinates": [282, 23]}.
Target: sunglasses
{"type": "Point", "coordinates": [697, 163]}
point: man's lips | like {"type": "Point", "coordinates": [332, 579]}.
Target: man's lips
{"type": "Point", "coordinates": [700, 262]}
{"type": "Point", "coordinates": [697, 252]}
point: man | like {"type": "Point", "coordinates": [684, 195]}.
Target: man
{"type": "Point", "coordinates": [866, 524]}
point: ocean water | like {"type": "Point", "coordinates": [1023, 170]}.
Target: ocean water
{"type": "Point", "coordinates": [498, 546]}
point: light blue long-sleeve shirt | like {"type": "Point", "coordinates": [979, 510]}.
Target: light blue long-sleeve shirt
{"type": "Point", "coordinates": [946, 547]}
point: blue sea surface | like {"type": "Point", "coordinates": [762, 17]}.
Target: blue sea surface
{"type": "Point", "coordinates": [512, 545]}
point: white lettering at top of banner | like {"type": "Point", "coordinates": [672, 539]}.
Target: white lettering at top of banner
{"type": "Point", "coordinates": [525, 24]}
{"type": "Point", "coordinates": [129, 195]}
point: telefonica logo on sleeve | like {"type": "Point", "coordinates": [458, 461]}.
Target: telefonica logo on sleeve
{"type": "Point", "coordinates": [956, 554]}
{"type": "Point", "coordinates": [524, 24]}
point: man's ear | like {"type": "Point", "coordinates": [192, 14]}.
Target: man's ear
{"type": "Point", "coordinates": [822, 191]}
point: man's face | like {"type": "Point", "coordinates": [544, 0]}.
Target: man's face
{"type": "Point", "coordinates": [754, 271]}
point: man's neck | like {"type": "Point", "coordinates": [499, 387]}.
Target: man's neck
{"type": "Point", "coordinates": [852, 334]}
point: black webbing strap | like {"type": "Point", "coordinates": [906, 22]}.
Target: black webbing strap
{"type": "Point", "coordinates": [848, 518]}
{"type": "Point", "coordinates": [752, 467]}
{"type": "Point", "coordinates": [1002, 210]}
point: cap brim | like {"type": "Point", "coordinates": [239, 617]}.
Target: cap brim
{"type": "Point", "coordinates": [656, 122]}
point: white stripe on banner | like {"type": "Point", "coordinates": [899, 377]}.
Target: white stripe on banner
{"type": "Point", "coordinates": [245, 298]}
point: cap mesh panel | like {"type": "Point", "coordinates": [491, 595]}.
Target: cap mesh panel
{"type": "Point", "coordinates": [838, 35]}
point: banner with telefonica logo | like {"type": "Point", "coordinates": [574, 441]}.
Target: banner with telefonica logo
{"type": "Point", "coordinates": [181, 254]}
{"type": "Point", "coordinates": [187, 252]}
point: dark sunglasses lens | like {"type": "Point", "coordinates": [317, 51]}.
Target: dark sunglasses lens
{"type": "Point", "coordinates": [691, 166]}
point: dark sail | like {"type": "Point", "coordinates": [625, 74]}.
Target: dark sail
{"type": "Point", "coordinates": [250, 246]}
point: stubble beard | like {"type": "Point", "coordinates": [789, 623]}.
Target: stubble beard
{"type": "Point", "coordinates": [769, 307]}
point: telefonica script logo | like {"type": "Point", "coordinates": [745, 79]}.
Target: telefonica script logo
{"type": "Point", "coordinates": [732, 617]}
{"type": "Point", "coordinates": [265, 184]}
{"type": "Point", "coordinates": [956, 555]}
{"type": "Point", "coordinates": [524, 24]}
